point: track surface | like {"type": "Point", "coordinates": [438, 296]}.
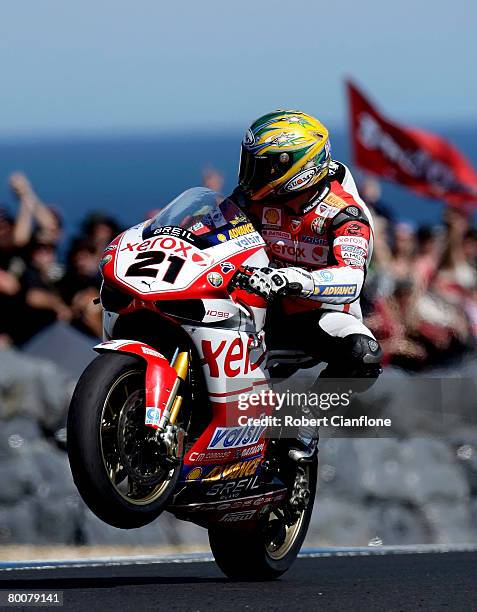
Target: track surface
{"type": "Point", "coordinates": [425, 581]}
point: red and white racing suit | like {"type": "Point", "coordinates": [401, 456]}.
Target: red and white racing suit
{"type": "Point", "coordinates": [331, 237]}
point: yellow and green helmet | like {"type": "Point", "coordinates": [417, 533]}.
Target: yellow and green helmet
{"type": "Point", "coordinates": [283, 153]}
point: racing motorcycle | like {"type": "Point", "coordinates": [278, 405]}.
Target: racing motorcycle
{"type": "Point", "coordinates": [149, 425]}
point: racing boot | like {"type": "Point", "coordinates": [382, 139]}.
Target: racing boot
{"type": "Point", "coordinates": [304, 447]}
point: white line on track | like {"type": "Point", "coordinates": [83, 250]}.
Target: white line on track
{"type": "Point", "coordinates": [311, 553]}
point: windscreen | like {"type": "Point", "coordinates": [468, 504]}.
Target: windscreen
{"type": "Point", "coordinates": [205, 214]}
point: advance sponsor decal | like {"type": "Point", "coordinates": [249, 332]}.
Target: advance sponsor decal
{"type": "Point", "coordinates": [235, 437]}
{"type": "Point", "coordinates": [335, 290]}
{"type": "Point", "coordinates": [236, 232]}
{"type": "Point", "coordinates": [240, 469]}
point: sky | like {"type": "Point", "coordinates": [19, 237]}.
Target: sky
{"type": "Point", "coordinates": [116, 66]}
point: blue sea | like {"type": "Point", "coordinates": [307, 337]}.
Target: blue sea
{"type": "Point", "coordinates": [128, 175]}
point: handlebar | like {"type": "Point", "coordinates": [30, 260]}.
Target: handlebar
{"type": "Point", "coordinates": [241, 280]}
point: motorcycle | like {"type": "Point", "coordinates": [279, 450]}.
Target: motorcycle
{"type": "Point", "coordinates": [149, 426]}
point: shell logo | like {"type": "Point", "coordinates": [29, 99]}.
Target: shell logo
{"type": "Point", "coordinates": [272, 215]}
{"type": "Point", "coordinates": [194, 474]}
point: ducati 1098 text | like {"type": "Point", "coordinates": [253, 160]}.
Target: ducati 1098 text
{"type": "Point", "coordinates": [147, 426]}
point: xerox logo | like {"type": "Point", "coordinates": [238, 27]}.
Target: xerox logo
{"type": "Point", "coordinates": [288, 250]}
{"type": "Point", "coordinates": [231, 358]}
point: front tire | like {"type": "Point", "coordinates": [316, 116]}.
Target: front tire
{"type": "Point", "coordinates": [266, 550]}
{"type": "Point", "coordinates": [117, 464]}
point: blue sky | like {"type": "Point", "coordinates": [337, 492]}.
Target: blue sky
{"type": "Point", "coordinates": [116, 66]}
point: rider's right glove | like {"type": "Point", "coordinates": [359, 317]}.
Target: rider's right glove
{"type": "Point", "coordinates": [270, 282]}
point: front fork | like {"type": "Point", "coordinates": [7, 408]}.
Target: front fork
{"type": "Point", "coordinates": [163, 382]}
{"type": "Point", "coordinates": [170, 434]}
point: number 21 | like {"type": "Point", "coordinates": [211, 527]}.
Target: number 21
{"type": "Point", "coordinates": [146, 260]}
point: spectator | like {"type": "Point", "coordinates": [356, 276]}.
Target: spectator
{"type": "Point", "coordinates": [80, 286]}
{"type": "Point", "coordinates": [9, 284]}
{"type": "Point", "coordinates": [32, 211]}
{"type": "Point", "coordinates": [40, 281]}
{"type": "Point", "coordinates": [99, 230]}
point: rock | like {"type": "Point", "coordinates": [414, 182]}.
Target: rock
{"type": "Point", "coordinates": [337, 469]}
{"type": "Point", "coordinates": [164, 531]}
{"type": "Point", "coordinates": [395, 523]}
{"type": "Point", "coordinates": [18, 523]}
{"type": "Point", "coordinates": [338, 522]}
{"type": "Point", "coordinates": [33, 389]}
{"type": "Point", "coordinates": [450, 522]}
{"type": "Point", "coordinates": [431, 472]}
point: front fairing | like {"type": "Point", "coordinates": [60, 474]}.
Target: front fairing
{"type": "Point", "coordinates": [191, 246]}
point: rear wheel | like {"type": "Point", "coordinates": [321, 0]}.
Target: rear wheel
{"type": "Point", "coordinates": [267, 549]}
{"type": "Point", "coordinates": [118, 465]}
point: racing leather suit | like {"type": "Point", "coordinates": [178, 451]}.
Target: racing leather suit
{"type": "Point", "coordinates": [331, 237]}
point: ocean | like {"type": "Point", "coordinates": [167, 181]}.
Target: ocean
{"type": "Point", "coordinates": [127, 176]}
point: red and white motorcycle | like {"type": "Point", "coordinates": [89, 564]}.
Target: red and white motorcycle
{"type": "Point", "coordinates": [149, 425]}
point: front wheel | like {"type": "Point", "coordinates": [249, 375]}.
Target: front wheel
{"type": "Point", "coordinates": [267, 549]}
{"type": "Point", "coordinates": [117, 464]}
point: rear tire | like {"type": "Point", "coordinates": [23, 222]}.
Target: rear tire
{"type": "Point", "coordinates": [94, 433]}
{"type": "Point", "coordinates": [247, 553]}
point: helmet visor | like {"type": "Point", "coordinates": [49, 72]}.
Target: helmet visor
{"type": "Point", "coordinates": [256, 172]}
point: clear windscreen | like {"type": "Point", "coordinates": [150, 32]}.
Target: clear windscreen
{"type": "Point", "coordinates": [204, 213]}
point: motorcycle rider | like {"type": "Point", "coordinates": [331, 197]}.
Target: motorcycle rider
{"type": "Point", "coordinates": [319, 233]}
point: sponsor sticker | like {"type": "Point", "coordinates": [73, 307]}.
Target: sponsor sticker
{"type": "Point", "coordinates": [233, 517]}
{"type": "Point", "coordinates": [153, 416]}
{"type": "Point", "coordinates": [301, 179]}
{"type": "Point", "coordinates": [211, 456]}
{"type": "Point", "coordinates": [353, 211]}
{"type": "Point", "coordinates": [373, 345]}
{"type": "Point", "coordinates": [250, 240]}
{"type": "Point", "coordinates": [325, 275]}
{"type": "Point", "coordinates": [333, 200]}
{"type": "Point", "coordinates": [314, 240]}
{"type": "Point", "coordinates": [354, 260]}
{"type": "Point", "coordinates": [215, 279]}
{"type": "Point", "coordinates": [295, 225]}
{"type": "Point", "coordinates": [254, 450]}
{"type": "Point", "coordinates": [241, 230]}
{"type": "Point", "coordinates": [238, 219]}
{"type": "Point", "coordinates": [271, 216]}
{"type": "Point", "coordinates": [226, 267]}
{"type": "Point", "coordinates": [235, 437]}
{"type": "Point", "coordinates": [354, 229]}
{"type": "Point", "coordinates": [241, 469]}
{"type": "Point", "coordinates": [317, 225]}
{"type": "Point", "coordinates": [335, 290]}
{"type": "Point", "coordinates": [148, 351]}
{"type": "Point", "coordinates": [354, 240]}
{"type": "Point", "coordinates": [194, 474]}
{"type": "Point", "coordinates": [170, 230]}
{"type": "Point", "coordinates": [267, 233]}
{"type": "Point", "coordinates": [353, 255]}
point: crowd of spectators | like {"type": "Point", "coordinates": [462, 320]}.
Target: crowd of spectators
{"type": "Point", "coordinates": [421, 291]}
{"type": "Point", "coordinates": [420, 297]}
{"type": "Point", "coordinates": [37, 286]}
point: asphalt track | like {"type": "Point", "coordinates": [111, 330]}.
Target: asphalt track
{"type": "Point", "coordinates": [320, 580]}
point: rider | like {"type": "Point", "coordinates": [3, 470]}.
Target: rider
{"type": "Point", "coordinates": [319, 233]}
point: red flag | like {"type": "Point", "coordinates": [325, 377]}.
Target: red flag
{"type": "Point", "coordinates": [420, 160]}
